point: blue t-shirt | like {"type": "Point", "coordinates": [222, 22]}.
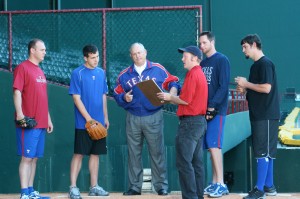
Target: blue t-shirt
{"type": "Point", "coordinates": [217, 71]}
{"type": "Point", "coordinates": [91, 85]}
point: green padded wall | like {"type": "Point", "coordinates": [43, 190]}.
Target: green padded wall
{"type": "Point", "coordinates": [28, 5]}
{"type": "Point", "coordinates": [10, 163]}
{"type": "Point", "coordinates": [237, 173]}
{"type": "Point", "coordinates": [139, 3]}
{"type": "Point", "coordinates": [53, 169]}
{"type": "Point", "coordinates": [274, 20]}
{"type": "Point", "coordinates": [79, 4]}
{"type": "Point", "coordinates": [287, 166]}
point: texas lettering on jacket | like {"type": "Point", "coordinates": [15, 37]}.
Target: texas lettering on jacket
{"type": "Point", "coordinates": [133, 81]}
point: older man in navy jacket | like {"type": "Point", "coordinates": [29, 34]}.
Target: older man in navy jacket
{"type": "Point", "coordinates": [143, 120]}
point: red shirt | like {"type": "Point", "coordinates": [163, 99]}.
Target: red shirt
{"type": "Point", "coordinates": [31, 81]}
{"type": "Point", "coordinates": [195, 92]}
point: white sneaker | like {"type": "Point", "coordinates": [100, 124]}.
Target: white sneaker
{"type": "Point", "coordinates": [97, 191]}
{"type": "Point", "coordinates": [74, 193]}
{"type": "Point", "coordinates": [36, 195]}
{"type": "Point", "coordinates": [24, 196]}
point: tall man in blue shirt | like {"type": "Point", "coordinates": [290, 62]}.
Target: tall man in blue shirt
{"type": "Point", "coordinates": [216, 67]}
{"type": "Point", "coordinates": [143, 120]}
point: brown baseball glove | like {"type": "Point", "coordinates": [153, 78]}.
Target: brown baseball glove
{"type": "Point", "coordinates": [95, 130]}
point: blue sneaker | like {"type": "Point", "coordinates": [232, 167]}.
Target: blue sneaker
{"type": "Point", "coordinates": [36, 195]}
{"type": "Point", "coordinates": [209, 189]}
{"type": "Point", "coordinates": [220, 190]}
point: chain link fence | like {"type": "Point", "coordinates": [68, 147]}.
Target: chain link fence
{"type": "Point", "coordinates": [64, 35]}
{"type": "Point", "coordinates": [4, 50]}
{"type": "Point", "coordinates": [162, 30]}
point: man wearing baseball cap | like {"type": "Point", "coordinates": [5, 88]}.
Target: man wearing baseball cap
{"type": "Point", "coordinates": [192, 104]}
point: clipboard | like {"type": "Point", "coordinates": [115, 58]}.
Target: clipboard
{"type": "Point", "coordinates": [149, 88]}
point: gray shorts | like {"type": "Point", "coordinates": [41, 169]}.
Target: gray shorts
{"type": "Point", "coordinates": [264, 138]}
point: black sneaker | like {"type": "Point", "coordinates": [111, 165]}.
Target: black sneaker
{"type": "Point", "coordinates": [270, 191]}
{"type": "Point", "coordinates": [255, 194]}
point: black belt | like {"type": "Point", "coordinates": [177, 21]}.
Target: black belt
{"type": "Point", "coordinates": [189, 116]}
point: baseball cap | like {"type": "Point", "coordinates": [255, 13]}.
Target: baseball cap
{"type": "Point", "coordinates": [192, 49]}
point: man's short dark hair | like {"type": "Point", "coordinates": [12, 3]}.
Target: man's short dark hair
{"type": "Point", "coordinates": [251, 39]}
{"type": "Point", "coordinates": [89, 49]}
{"type": "Point", "coordinates": [209, 34]}
{"type": "Point", "coordinates": [32, 43]}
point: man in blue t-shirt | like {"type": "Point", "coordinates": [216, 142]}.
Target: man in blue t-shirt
{"type": "Point", "coordinates": [216, 68]}
{"type": "Point", "coordinates": [88, 88]}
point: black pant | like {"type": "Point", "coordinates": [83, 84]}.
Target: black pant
{"type": "Point", "coordinates": [189, 156]}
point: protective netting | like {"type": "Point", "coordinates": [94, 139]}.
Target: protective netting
{"type": "Point", "coordinates": [162, 31]}
{"type": "Point", "coordinates": [64, 34]}
{"type": "Point", "coordinates": [4, 41]}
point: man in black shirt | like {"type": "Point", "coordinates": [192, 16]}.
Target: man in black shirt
{"type": "Point", "coordinates": [263, 101]}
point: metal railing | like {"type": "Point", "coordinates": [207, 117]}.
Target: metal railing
{"type": "Point", "coordinates": [236, 102]}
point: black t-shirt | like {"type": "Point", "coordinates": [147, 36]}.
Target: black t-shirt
{"type": "Point", "coordinates": [263, 106]}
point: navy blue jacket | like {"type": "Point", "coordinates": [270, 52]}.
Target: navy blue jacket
{"type": "Point", "coordinates": [217, 71]}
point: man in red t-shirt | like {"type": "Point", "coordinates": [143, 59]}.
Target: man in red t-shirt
{"type": "Point", "coordinates": [192, 104]}
{"type": "Point", "coordinates": [31, 100]}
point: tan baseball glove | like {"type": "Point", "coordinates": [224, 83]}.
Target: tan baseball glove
{"type": "Point", "coordinates": [95, 130]}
